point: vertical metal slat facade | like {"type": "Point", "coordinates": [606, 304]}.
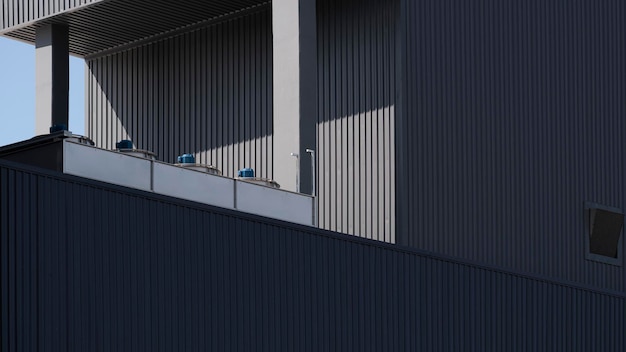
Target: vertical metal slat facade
{"type": "Point", "coordinates": [89, 266]}
{"type": "Point", "coordinates": [356, 125]}
{"type": "Point", "coordinates": [514, 118]}
{"type": "Point", "coordinates": [206, 92]}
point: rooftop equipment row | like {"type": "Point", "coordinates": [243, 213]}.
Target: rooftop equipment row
{"type": "Point", "coordinates": [135, 168]}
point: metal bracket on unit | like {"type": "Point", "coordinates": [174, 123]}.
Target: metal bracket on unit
{"type": "Point", "coordinates": [297, 156]}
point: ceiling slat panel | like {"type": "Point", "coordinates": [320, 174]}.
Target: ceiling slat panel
{"type": "Point", "coordinates": [110, 24]}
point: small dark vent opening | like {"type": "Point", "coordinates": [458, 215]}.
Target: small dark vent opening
{"type": "Point", "coordinates": [606, 227]}
{"type": "Point", "coordinates": [603, 231]}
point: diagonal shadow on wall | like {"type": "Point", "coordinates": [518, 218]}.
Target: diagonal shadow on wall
{"type": "Point", "coordinates": [207, 92]}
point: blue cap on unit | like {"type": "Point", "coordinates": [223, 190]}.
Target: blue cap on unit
{"type": "Point", "coordinates": [247, 172]}
{"type": "Point", "coordinates": [58, 127]}
{"type": "Point", "coordinates": [124, 144]}
{"type": "Point", "coordinates": [186, 159]}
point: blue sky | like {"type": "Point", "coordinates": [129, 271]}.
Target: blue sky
{"type": "Point", "coordinates": [17, 92]}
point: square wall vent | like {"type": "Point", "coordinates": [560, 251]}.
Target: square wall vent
{"type": "Point", "coordinates": [603, 233]}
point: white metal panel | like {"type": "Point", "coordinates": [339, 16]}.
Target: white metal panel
{"type": "Point", "coordinates": [193, 185]}
{"type": "Point", "coordinates": [130, 171]}
{"type": "Point", "coordinates": [273, 203]}
{"type": "Point", "coordinates": [107, 166]}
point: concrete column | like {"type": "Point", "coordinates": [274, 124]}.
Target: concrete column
{"type": "Point", "coordinates": [51, 77]}
{"type": "Point", "coordinates": [294, 27]}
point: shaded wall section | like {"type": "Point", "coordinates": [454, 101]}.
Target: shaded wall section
{"type": "Point", "coordinates": [206, 92]}
{"type": "Point", "coordinates": [515, 118]}
{"type": "Point", "coordinates": [88, 266]}
{"type": "Point", "coordinates": [16, 12]}
{"type": "Point", "coordinates": [356, 109]}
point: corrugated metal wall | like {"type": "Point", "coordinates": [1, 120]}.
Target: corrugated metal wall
{"type": "Point", "coordinates": [16, 12]}
{"type": "Point", "coordinates": [86, 266]}
{"type": "Point", "coordinates": [207, 92]}
{"type": "Point", "coordinates": [515, 118]}
{"type": "Point", "coordinates": [355, 134]}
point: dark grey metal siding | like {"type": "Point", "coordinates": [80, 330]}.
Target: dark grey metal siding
{"type": "Point", "coordinates": [16, 12]}
{"type": "Point", "coordinates": [86, 266]}
{"type": "Point", "coordinates": [515, 118]}
{"type": "Point", "coordinates": [206, 92]}
{"type": "Point", "coordinates": [355, 135]}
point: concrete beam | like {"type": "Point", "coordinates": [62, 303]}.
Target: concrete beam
{"type": "Point", "coordinates": [51, 77]}
{"type": "Point", "coordinates": [294, 26]}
